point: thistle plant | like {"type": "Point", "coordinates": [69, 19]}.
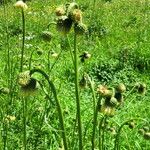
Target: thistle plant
{"type": "Point", "coordinates": [68, 16]}
{"type": "Point", "coordinates": [29, 84]}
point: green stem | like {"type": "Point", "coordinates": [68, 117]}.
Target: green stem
{"type": "Point", "coordinates": [24, 101]}
{"type": "Point", "coordinates": [95, 123]}
{"type": "Point", "coordinates": [77, 92]}
{"type": "Point", "coordinates": [23, 40]}
{"type": "Point", "coordinates": [100, 131]}
{"type": "Point", "coordinates": [60, 114]}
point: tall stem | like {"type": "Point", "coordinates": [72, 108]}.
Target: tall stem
{"type": "Point", "coordinates": [60, 114]}
{"type": "Point", "coordinates": [24, 101]}
{"type": "Point", "coordinates": [23, 40]}
{"type": "Point", "coordinates": [77, 92]}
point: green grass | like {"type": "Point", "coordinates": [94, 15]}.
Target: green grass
{"type": "Point", "coordinates": [118, 41]}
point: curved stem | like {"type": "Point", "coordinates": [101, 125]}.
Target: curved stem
{"type": "Point", "coordinates": [116, 146]}
{"type": "Point", "coordinates": [77, 92]}
{"type": "Point", "coordinates": [60, 114]}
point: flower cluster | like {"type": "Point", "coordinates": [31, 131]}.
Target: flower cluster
{"type": "Point", "coordinates": [112, 97]}
{"type": "Point", "coordinates": [69, 15]}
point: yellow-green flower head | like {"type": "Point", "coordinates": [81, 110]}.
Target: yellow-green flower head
{"type": "Point", "coordinates": [76, 15]}
{"type": "Point", "coordinates": [30, 88]}
{"type": "Point", "coordinates": [21, 4]}
{"type": "Point", "coordinates": [60, 11]}
{"type": "Point", "coordinates": [24, 78]}
{"type": "Point", "coordinates": [80, 28]}
{"type": "Point", "coordinates": [121, 88]}
{"type": "Point", "coordinates": [105, 92]}
{"type": "Point", "coordinates": [108, 111]}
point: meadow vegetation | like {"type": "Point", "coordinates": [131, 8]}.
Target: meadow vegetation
{"type": "Point", "coordinates": [75, 75]}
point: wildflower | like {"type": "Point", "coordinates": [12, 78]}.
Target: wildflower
{"type": "Point", "coordinates": [30, 88]}
{"type": "Point", "coordinates": [60, 11]}
{"type": "Point", "coordinates": [46, 35]}
{"type": "Point", "coordinates": [121, 88]}
{"type": "Point", "coordinates": [28, 84]}
{"type": "Point", "coordinates": [84, 56]}
{"type": "Point", "coordinates": [113, 102]}
{"type": "Point", "coordinates": [24, 78]}
{"type": "Point", "coordinates": [80, 28]}
{"type": "Point", "coordinates": [107, 110]}
{"type": "Point", "coordinates": [21, 4]}
{"type": "Point", "coordinates": [64, 24]}
{"type": "Point", "coordinates": [141, 88]}
{"type": "Point", "coordinates": [104, 91]}
{"type": "Point", "coordinates": [76, 15]}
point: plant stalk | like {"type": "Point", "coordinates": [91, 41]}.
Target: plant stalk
{"type": "Point", "coordinates": [60, 114]}
{"type": "Point", "coordinates": [77, 92]}
{"type": "Point", "coordinates": [23, 40]}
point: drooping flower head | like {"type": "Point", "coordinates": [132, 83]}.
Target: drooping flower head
{"type": "Point", "coordinates": [20, 4]}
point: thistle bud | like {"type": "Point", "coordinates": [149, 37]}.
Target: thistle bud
{"type": "Point", "coordinates": [113, 102]}
{"type": "Point", "coordinates": [121, 88]}
{"type": "Point", "coordinates": [24, 78]}
{"type": "Point", "coordinates": [64, 24]}
{"type": "Point", "coordinates": [84, 56]}
{"type": "Point", "coordinates": [80, 28]}
{"type": "Point", "coordinates": [104, 91]}
{"type": "Point", "coordinates": [46, 35]}
{"type": "Point", "coordinates": [141, 131]}
{"type": "Point", "coordinates": [76, 15]}
{"type": "Point", "coordinates": [141, 88]}
{"type": "Point", "coordinates": [131, 125]}
{"type": "Point", "coordinates": [30, 88]}
{"type": "Point", "coordinates": [60, 11]}
{"type": "Point", "coordinates": [108, 111]}
{"type": "Point", "coordinates": [21, 4]}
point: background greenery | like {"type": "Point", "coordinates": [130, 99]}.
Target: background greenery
{"type": "Point", "coordinates": [118, 40]}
